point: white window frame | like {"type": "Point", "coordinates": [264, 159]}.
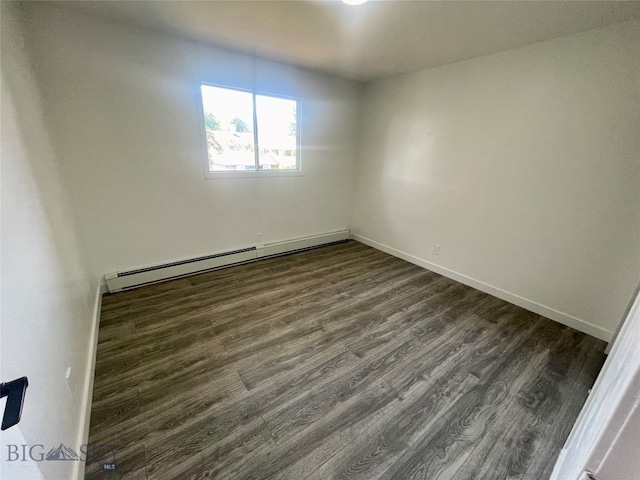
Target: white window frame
{"type": "Point", "coordinates": [208, 174]}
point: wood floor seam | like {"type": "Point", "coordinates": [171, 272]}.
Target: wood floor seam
{"type": "Point", "coordinates": [370, 427]}
{"type": "Point", "coordinates": [268, 429]}
{"type": "Point", "coordinates": [242, 380]}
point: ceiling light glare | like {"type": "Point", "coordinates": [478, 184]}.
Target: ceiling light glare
{"type": "Point", "coordinates": [354, 2]}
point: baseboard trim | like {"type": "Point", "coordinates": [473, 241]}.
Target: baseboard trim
{"type": "Point", "coordinates": [300, 244]}
{"type": "Point", "coordinates": [87, 396]}
{"type": "Point", "coordinates": [553, 314]}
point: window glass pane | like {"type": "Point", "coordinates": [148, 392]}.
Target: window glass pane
{"type": "Point", "coordinates": [277, 132]}
{"type": "Point", "coordinates": [228, 118]}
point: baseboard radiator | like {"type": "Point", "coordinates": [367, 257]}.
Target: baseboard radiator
{"type": "Point", "coordinates": [119, 281]}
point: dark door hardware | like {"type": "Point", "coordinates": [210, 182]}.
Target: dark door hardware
{"type": "Point", "coordinates": [15, 391]}
{"type": "Point", "coordinates": [591, 476]}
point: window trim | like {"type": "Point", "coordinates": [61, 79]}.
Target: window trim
{"type": "Point", "coordinates": [208, 174]}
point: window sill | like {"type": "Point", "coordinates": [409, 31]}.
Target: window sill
{"type": "Point", "coordinates": [251, 174]}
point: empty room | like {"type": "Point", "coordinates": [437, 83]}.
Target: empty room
{"type": "Point", "coordinates": [320, 239]}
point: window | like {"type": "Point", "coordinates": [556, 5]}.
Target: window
{"type": "Point", "coordinates": [249, 132]}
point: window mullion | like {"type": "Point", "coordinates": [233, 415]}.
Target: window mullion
{"type": "Point", "coordinates": [255, 134]}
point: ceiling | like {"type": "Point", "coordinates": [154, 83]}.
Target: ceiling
{"type": "Point", "coordinates": [368, 41]}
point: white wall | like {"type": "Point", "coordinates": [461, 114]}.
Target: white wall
{"type": "Point", "coordinates": [47, 286]}
{"type": "Point", "coordinates": [523, 165]}
{"type": "Point", "coordinates": [124, 116]}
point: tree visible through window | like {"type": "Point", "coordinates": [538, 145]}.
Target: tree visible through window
{"type": "Point", "coordinates": [246, 131]}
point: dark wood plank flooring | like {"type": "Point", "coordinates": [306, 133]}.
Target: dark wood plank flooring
{"type": "Point", "coordinates": [340, 362]}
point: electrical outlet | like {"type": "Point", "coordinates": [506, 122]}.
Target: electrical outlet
{"type": "Point", "coordinates": [258, 238]}
{"type": "Point", "coordinates": [436, 249]}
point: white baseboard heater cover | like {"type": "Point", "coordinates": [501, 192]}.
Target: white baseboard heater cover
{"type": "Point", "coordinates": [158, 273]}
